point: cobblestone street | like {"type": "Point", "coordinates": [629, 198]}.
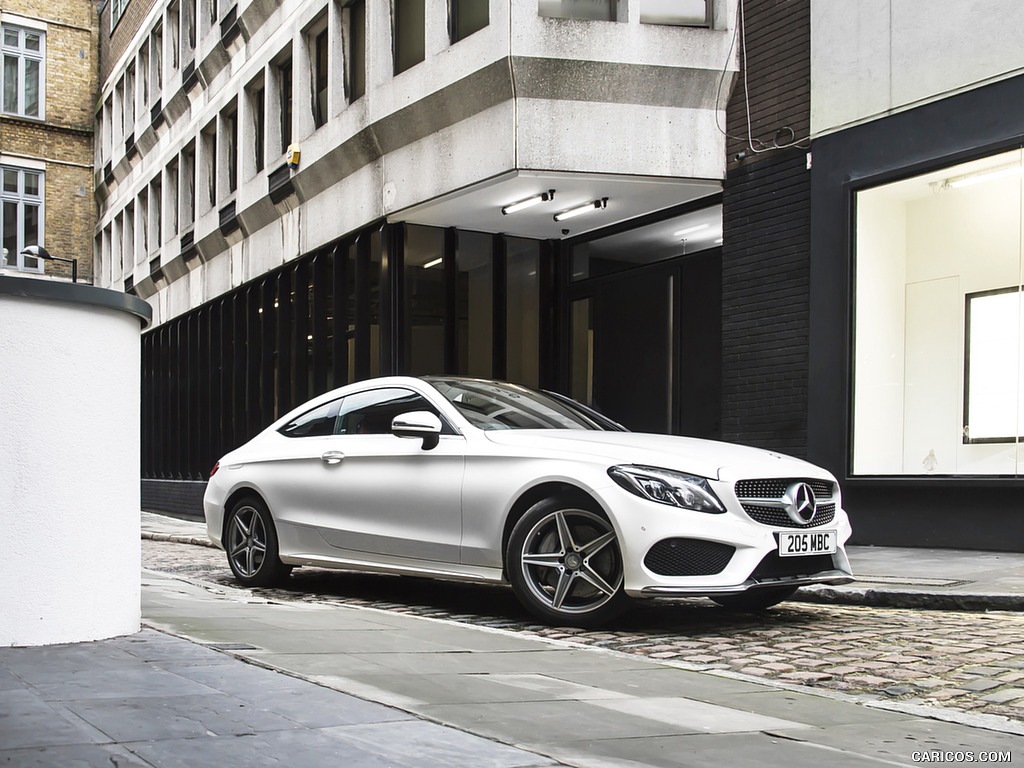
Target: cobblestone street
{"type": "Point", "coordinates": [960, 660]}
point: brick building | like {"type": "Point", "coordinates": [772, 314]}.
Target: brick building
{"type": "Point", "coordinates": [49, 85]}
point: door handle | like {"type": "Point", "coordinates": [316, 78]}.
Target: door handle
{"type": "Point", "coordinates": [332, 457]}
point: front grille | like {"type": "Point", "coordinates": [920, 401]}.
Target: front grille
{"type": "Point", "coordinates": [762, 501]}
{"type": "Point", "coordinates": [688, 557]}
{"type": "Point", "coordinates": [777, 517]}
{"type": "Point", "coordinates": [775, 488]}
{"type": "Point", "coordinates": [775, 567]}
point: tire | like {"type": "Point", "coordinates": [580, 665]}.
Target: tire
{"type": "Point", "coordinates": [565, 565]}
{"type": "Point", "coordinates": [251, 545]}
{"type": "Point", "coordinates": [756, 599]}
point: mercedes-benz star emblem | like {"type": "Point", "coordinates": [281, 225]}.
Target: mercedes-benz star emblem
{"type": "Point", "coordinates": [800, 503]}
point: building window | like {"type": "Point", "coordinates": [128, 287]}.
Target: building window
{"type": "Point", "coordinates": [117, 11]}
{"type": "Point", "coordinates": [590, 10]}
{"type": "Point", "coordinates": [142, 226]}
{"type": "Point", "coordinates": [21, 194]}
{"type": "Point", "coordinates": [320, 78]}
{"type": "Point", "coordinates": [355, 64]}
{"type": "Point", "coordinates": [144, 74]}
{"type": "Point", "coordinates": [284, 79]}
{"type": "Point", "coordinates": [938, 387]}
{"type": "Point", "coordinates": [155, 222]}
{"type": "Point", "coordinates": [680, 13]}
{"type": "Point", "coordinates": [259, 116]}
{"type": "Point", "coordinates": [466, 17]}
{"type": "Point", "coordinates": [209, 161]}
{"type": "Point", "coordinates": [128, 101]}
{"type": "Point", "coordinates": [171, 185]}
{"type": "Point", "coordinates": [187, 187]}
{"type": "Point", "coordinates": [173, 24]}
{"type": "Point", "coordinates": [229, 158]}
{"type": "Point", "coordinates": [24, 72]}
{"type": "Point", "coordinates": [156, 75]}
{"type": "Point", "coordinates": [409, 33]}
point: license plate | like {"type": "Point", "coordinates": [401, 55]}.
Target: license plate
{"type": "Point", "coordinates": [800, 543]}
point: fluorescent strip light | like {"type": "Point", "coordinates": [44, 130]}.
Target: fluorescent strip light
{"type": "Point", "coordinates": [593, 205]}
{"type": "Point", "coordinates": [433, 263]}
{"type": "Point", "coordinates": [970, 179]}
{"type": "Point", "coordinates": [690, 230]}
{"type": "Point", "coordinates": [529, 202]}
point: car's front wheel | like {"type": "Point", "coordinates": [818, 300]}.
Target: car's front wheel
{"type": "Point", "coordinates": [565, 564]}
{"type": "Point", "coordinates": [251, 545]}
{"type": "Point", "coordinates": [755, 599]}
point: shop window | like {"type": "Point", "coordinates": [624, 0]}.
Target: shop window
{"type": "Point", "coordinates": [937, 384]}
{"type": "Point", "coordinates": [522, 323]}
{"type": "Point", "coordinates": [590, 10]}
{"type": "Point", "coordinates": [425, 297]}
{"type": "Point", "coordinates": [355, 63]}
{"type": "Point", "coordinates": [466, 17]}
{"type": "Point", "coordinates": [21, 216]}
{"type": "Point", "coordinates": [24, 53]}
{"type": "Point", "coordinates": [474, 291]}
{"type": "Point", "coordinates": [683, 13]}
{"type": "Point", "coordinates": [409, 33]}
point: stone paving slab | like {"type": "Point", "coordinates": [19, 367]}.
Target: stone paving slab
{"type": "Point", "coordinates": [898, 655]}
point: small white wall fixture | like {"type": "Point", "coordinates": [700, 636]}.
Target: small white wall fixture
{"type": "Point", "coordinates": [69, 462]}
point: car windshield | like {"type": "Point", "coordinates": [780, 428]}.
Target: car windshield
{"type": "Point", "coordinates": [499, 405]}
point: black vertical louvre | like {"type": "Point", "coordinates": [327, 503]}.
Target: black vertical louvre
{"type": "Point", "coordinates": [283, 372]}
{"type": "Point", "coordinates": [339, 322]}
{"type": "Point", "coordinates": [218, 443]}
{"type": "Point", "coordinates": [201, 459]}
{"type": "Point", "coordinates": [236, 402]}
{"type": "Point", "coordinates": [451, 307]}
{"type": "Point", "coordinates": [320, 310]}
{"type": "Point", "coordinates": [300, 337]}
{"type": "Point", "coordinates": [362, 275]}
{"type": "Point", "coordinates": [253, 360]}
{"type": "Point", "coordinates": [268, 349]}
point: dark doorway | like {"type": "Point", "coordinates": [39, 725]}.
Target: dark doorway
{"type": "Point", "coordinates": [646, 345]}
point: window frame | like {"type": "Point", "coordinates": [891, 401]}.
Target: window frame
{"type": "Point", "coordinates": [20, 199]}
{"type": "Point", "coordinates": [23, 55]}
{"type": "Point", "coordinates": [454, 17]}
{"type": "Point", "coordinates": [403, 59]}
{"type": "Point", "coordinates": [968, 298]}
{"type": "Point", "coordinates": [117, 9]}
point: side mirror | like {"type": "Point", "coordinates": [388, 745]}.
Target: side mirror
{"type": "Point", "coordinates": [418, 424]}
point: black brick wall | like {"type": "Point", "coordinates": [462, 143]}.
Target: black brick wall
{"type": "Point", "coordinates": [765, 320]}
{"type": "Point", "coordinates": [766, 222]}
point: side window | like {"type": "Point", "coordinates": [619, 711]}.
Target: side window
{"type": "Point", "coordinates": [318, 422]}
{"type": "Point", "coordinates": [370, 413]}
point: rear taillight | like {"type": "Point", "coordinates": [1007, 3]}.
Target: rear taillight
{"type": "Point", "coordinates": [215, 468]}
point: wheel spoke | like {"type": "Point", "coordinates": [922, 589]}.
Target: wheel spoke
{"type": "Point", "coordinates": [565, 580]}
{"type": "Point", "coordinates": [564, 533]}
{"type": "Point", "coordinates": [241, 526]}
{"type": "Point", "coordinates": [237, 549]}
{"type": "Point", "coordinates": [589, 574]}
{"type": "Point", "coordinates": [543, 559]}
{"type": "Point", "coordinates": [592, 548]}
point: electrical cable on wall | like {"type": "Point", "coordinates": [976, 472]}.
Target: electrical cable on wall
{"type": "Point", "coordinates": [756, 146]}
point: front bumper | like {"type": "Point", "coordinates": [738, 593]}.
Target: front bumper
{"type": "Point", "coordinates": [753, 564]}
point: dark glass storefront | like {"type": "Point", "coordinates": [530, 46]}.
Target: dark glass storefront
{"type": "Point", "coordinates": [642, 345]}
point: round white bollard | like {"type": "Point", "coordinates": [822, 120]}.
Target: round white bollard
{"type": "Point", "coordinates": [69, 462]}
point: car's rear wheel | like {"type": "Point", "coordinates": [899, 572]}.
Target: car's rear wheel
{"type": "Point", "coordinates": [565, 564]}
{"type": "Point", "coordinates": [755, 599]}
{"type": "Point", "coordinates": [251, 545]}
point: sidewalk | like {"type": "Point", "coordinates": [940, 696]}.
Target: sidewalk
{"type": "Point", "coordinates": [892, 577]}
{"type": "Point", "coordinates": [223, 677]}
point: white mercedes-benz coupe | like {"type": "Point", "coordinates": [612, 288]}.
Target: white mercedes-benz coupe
{"type": "Point", "coordinates": [457, 478]}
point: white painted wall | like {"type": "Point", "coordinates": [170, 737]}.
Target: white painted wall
{"type": "Point", "coordinates": [69, 472]}
{"type": "Point", "coordinates": [874, 57]}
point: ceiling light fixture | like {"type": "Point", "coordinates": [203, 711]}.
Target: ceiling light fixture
{"type": "Point", "coordinates": [529, 202]}
{"type": "Point", "coordinates": [593, 205]}
{"type": "Point", "coordinates": [433, 263]}
{"type": "Point", "coordinates": [990, 174]}
{"type": "Point", "coordinates": [690, 230]}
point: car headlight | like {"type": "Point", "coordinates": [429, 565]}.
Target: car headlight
{"type": "Point", "coordinates": [667, 487]}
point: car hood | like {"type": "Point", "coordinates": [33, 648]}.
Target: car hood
{"type": "Point", "coordinates": [707, 458]}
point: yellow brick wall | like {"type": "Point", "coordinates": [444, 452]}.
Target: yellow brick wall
{"type": "Point", "coordinates": [65, 140]}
